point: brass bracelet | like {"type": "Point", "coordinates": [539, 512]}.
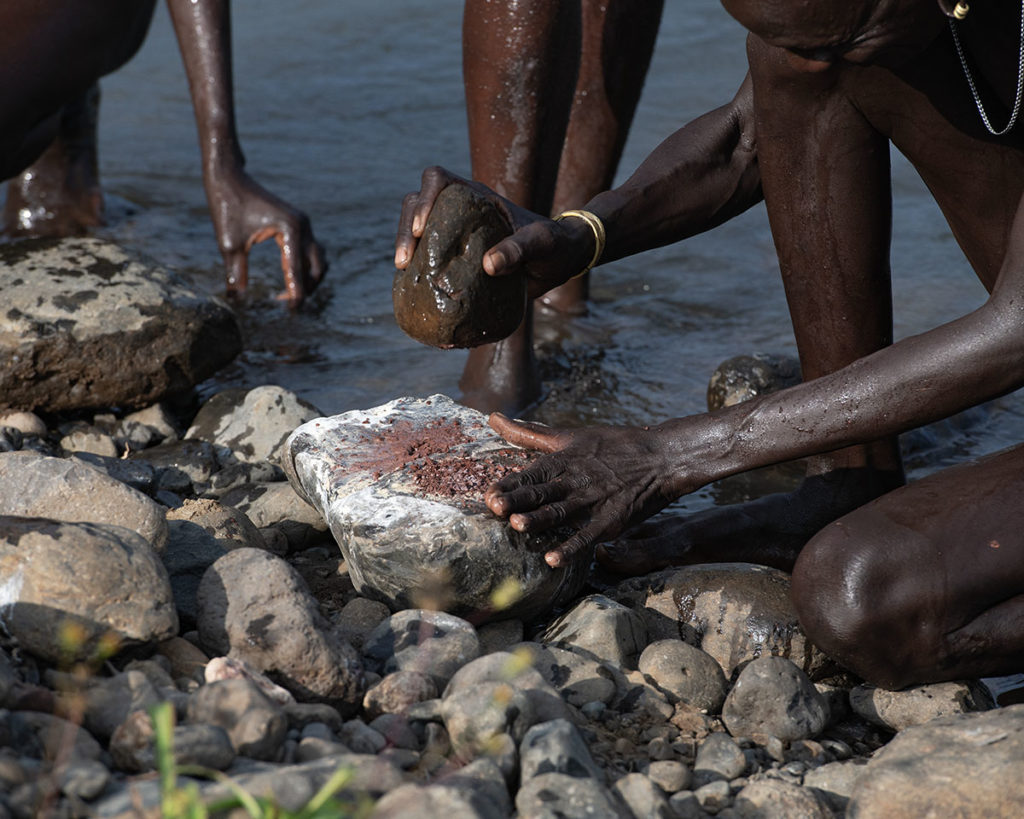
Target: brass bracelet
{"type": "Point", "coordinates": [597, 226]}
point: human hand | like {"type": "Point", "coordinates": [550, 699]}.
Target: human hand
{"type": "Point", "coordinates": [245, 213]}
{"type": "Point", "coordinates": [605, 479]}
{"type": "Point", "coordinates": [547, 252]}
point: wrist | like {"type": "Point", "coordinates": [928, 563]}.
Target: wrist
{"type": "Point", "coordinates": [597, 232]}
{"type": "Point", "coordinates": [222, 156]}
{"type": "Point", "coordinates": [698, 450]}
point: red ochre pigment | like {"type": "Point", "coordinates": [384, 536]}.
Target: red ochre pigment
{"type": "Point", "coordinates": [422, 448]}
{"type": "Point", "coordinates": [462, 477]}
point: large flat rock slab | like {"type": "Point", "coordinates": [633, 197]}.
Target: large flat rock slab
{"type": "Point", "coordinates": [956, 765]}
{"type": "Point", "coordinates": [85, 325]}
{"type": "Point", "coordinates": [401, 487]}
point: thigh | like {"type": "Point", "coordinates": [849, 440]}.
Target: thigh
{"type": "Point", "coordinates": [51, 53]}
{"type": "Point", "coordinates": [925, 583]}
{"type": "Point", "coordinates": [959, 532]}
{"type": "Point", "coordinates": [946, 547]}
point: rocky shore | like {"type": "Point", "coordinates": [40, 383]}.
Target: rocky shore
{"type": "Point", "coordinates": [145, 558]}
{"type": "Point", "coordinates": [165, 557]}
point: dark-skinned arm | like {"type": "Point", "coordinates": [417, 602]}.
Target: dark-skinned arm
{"type": "Point", "coordinates": [703, 175]}
{"type": "Point", "coordinates": [606, 479]}
{"type": "Point", "coordinates": [243, 212]}
{"type": "Point", "coordinates": [698, 178]}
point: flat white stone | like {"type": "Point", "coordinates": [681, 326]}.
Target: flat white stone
{"type": "Point", "coordinates": [401, 487]}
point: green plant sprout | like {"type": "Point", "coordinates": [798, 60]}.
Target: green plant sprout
{"type": "Point", "coordinates": [178, 801]}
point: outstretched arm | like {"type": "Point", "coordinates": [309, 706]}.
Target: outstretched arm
{"type": "Point", "coordinates": [607, 479]}
{"type": "Point", "coordinates": [701, 176]}
{"type": "Point", "coordinates": [243, 212]}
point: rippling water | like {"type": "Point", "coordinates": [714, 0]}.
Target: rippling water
{"type": "Point", "coordinates": [341, 106]}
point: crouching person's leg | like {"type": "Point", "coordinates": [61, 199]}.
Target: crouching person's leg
{"type": "Point", "coordinates": [927, 582]}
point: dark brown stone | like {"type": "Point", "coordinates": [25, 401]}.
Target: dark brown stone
{"type": "Point", "coordinates": [444, 298]}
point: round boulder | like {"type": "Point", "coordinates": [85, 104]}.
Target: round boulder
{"type": "Point", "coordinates": [39, 486]}
{"type": "Point", "coordinates": [252, 424]}
{"type": "Point", "coordinates": [255, 607]}
{"type": "Point", "coordinates": [72, 591]}
{"type": "Point", "coordinates": [773, 696]}
{"type": "Point", "coordinates": [685, 674]}
{"type": "Point", "coordinates": [86, 325]}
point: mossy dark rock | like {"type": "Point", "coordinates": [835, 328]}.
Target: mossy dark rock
{"type": "Point", "coordinates": [444, 298]}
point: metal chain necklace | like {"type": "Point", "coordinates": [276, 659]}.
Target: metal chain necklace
{"type": "Point", "coordinates": [970, 78]}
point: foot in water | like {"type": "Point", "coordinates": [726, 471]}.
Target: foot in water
{"type": "Point", "coordinates": [59, 195]}
{"type": "Point", "coordinates": [769, 531]}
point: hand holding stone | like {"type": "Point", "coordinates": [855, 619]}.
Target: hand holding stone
{"type": "Point", "coordinates": [546, 252]}
{"type": "Point", "coordinates": [444, 298]}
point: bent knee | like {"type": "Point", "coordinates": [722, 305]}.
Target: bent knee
{"type": "Point", "coordinates": [830, 593]}
{"type": "Point", "coordinates": [859, 600]}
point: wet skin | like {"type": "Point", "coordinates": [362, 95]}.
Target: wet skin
{"type": "Point", "coordinates": [52, 54]}
{"type": "Point", "coordinates": [908, 584]}
{"type": "Point", "coordinates": [551, 89]}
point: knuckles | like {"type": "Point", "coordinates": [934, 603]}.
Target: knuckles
{"type": "Point", "coordinates": [434, 173]}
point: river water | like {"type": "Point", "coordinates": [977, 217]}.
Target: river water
{"type": "Point", "coordinates": [340, 107]}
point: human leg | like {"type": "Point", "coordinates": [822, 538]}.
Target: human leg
{"type": "Point", "coordinates": [59, 194]}
{"type": "Point", "coordinates": [547, 125]}
{"type": "Point", "coordinates": [831, 228]}
{"type": "Point", "coordinates": [618, 39]}
{"type": "Point", "coordinates": [53, 54]}
{"type": "Point", "coordinates": [519, 67]}
{"type": "Point", "coordinates": [925, 583]}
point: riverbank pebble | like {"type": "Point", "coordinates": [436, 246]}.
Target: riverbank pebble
{"type": "Point", "coordinates": [690, 692]}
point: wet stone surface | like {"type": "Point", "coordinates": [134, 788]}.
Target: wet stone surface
{"type": "Point", "coordinates": [734, 612]}
{"type": "Point", "coordinates": [444, 298]}
{"type": "Point", "coordinates": [743, 377]}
